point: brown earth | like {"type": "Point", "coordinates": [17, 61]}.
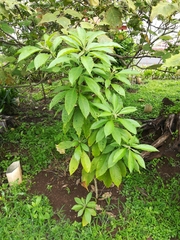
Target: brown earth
{"type": "Point", "coordinates": [61, 188]}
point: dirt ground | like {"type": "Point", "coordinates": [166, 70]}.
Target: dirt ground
{"type": "Point", "coordinates": [61, 188]}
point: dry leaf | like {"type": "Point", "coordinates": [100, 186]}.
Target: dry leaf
{"type": "Point", "coordinates": [84, 185]}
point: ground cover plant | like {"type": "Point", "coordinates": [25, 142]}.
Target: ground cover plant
{"type": "Point", "coordinates": [146, 206]}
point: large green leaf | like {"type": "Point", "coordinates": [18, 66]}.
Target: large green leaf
{"type": "Point", "coordinates": [64, 145]}
{"type": "Point", "coordinates": [139, 159]}
{"type": "Point", "coordinates": [127, 110]}
{"type": "Point", "coordinates": [71, 42]}
{"type": "Point", "coordinates": [127, 123]}
{"type": "Point", "coordinates": [84, 105]}
{"type": "Point", "coordinates": [56, 99]}
{"type": "Point", "coordinates": [102, 166]}
{"type": "Point", "coordinates": [48, 17]}
{"type": "Point", "coordinates": [40, 60]}
{"type": "Point", "coordinates": [85, 161]}
{"type": "Point", "coordinates": [88, 63]}
{"type": "Point", "coordinates": [92, 35]}
{"type": "Point", "coordinates": [67, 51]}
{"type": "Point", "coordinates": [117, 135]}
{"type": "Point", "coordinates": [73, 165]}
{"type": "Point", "coordinates": [119, 154]}
{"type": "Point", "coordinates": [66, 117]}
{"type": "Point", "coordinates": [93, 86]}
{"type": "Point", "coordinates": [27, 51]}
{"type": "Point", "coordinates": [81, 35]}
{"type": "Point", "coordinates": [98, 124]}
{"type": "Point", "coordinates": [74, 74]}
{"type": "Point", "coordinates": [130, 161]}
{"type": "Point", "coordinates": [114, 17]}
{"type": "Point", "coordinates": [102, 144]}
{"type": "Point", "coordinates": [70, 100]}
{"type": "Point", "coordinates": [73, 13]}
{"type": "Point", "coordinates": [59, 60]}
{"type": "Point", "coordinates": [78, 121]}
{"type": "Point", "coordinates": [109, 128]}
{"type": "Point", "coordinates": [145, 147]}
{"type": "Point", "coordinates": [118, 89]}
{"type": "Point", "coordinates": [6, 28]}
{"type": "Point", "coordinates": [115, 173]}
{"type": "Point", "coordinates": [163, 8]}
{"type": "Point", "coordinates": [103, 106]}
{"type": "Point", "coordinates": [173, 61]}
{"type": "Point", "coordinates": [102, 56]}
{"type": "Point", "coordinates": [87, 177]}
{"type": "Point", "coordinates": [95, 150]}
{"type": "Point", "coordinates": [100, 135]}
{"type": "Point", "coordinates": [63, 21]}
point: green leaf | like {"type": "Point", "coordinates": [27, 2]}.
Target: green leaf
{"type": "Point", "coordinates": [26, 52]}
{"type": "Point", "coordinates": [123, 168]}
{"type": "Point", "coordinates": [102, 144]}
{"type": "Point", "coordinates": [93, 35]}
{"type": "Point", "coordinates": [77, 207]}
{"type": "Point", "coordinates": [92, 138]}
{"type": "Point", "coordinates": [127, 110]}
{"type": "Point", "coordinates": [102, 165]}
{"type": "Point", "coordinates": [77, 152]}
{"type": "Point", "coordinates": [98, 124]}
{"type": "Point", "coordinates": [73, 13]}
{"type": "Point", "coordinates": [116, 134]}
{"type": "Point", "coordinates": [73, 165]}
{"type": "Point", "coordinates": [173, 61]}
{"type": "Point", "coordinates": [130, 161]}
{"type": "Point", "coordinates": [88, 197]}
{"type": "Point", "coordinates": [102, 56]}
{"type": "Point", "coordinates": [140, 160]}
{"type": "Point", "coordinates": [84, 105]}
{"type": "Point", "coordinates": [106, 178]}
{"type": "Point", "coordinates": [118, 89]}
{"type": "Point", "coordinates": [114, 17]}
{"type": "Point", "coordinates": [119, 154]}
{"type": "Point", "coordinates": [56, 42]}
{"type": "Point", "coordinates": [87, 177]}
{"type": "Point", "coordinates": [78, 121]}
{"type": "Point", "coordinates": [74, 74]}
{"type": "Point", "coordinates": [66, 117]}
{"type": "Point", "coordinates": [58, 61]}
{"type": "Point", "coordinates": [165, 9]}
{"type": "Point", "coordinates": [82, 35]}
{"type": "Point", "coordinates": [85, 161]}
{"type": "Point", "coordinates": [63, 21]}
{"type": "Point", "coordinates": [109, 128]}
{"type": "Point", "coordinates": [86, 219]}
{"type": "Point", "coordinates": [115, 173]}
{"type": "Point", "coordinates": [6, 28]}
{"type": "Point", "coordinates": [145, 147]}
{"type": "Point", "coordinates": [56, 99]}
{"type": "Point", "coordinates": [70, 100]}
{"type": "Point", "coordinates": [64, 145]}
{"type": "Point", "coordinates": [88, 63]}
{"type": "Point", "coordinates": [94, 87]}
{"type": "Point", "coordinates": [95, 150]}
{"type": "Point", "coordinates": [40, 59]}
{"type": "Point", "coordinates": [100, 135]}
{"type": "Point", "coordinates": [105, 107]}
{"type": "Point", "coordinates": [48, 17]}
{"type": "Point", "coordinates": [127, 123]}
{"type": "Point", "coordinates": [70, 41]}
{"type": "Point", "coordinates": [67, 51]}
{"type": "Point", "coordinates": [87, 25]}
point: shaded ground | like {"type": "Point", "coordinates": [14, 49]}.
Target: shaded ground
{"type": "Point", "coordinates": [61, 188]}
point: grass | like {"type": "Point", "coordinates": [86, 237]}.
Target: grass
{"type": "Point", "coordinates": [151, 209]}
{"type": "Point", "coordinates": [152, 92]}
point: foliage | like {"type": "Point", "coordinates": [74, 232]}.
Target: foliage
{"type": "Point", "coordinates": [91, 102]}
{"type": "Point", "coordinates": [85, 208]}
{"type": "Point", "coordinates": [8, 100]}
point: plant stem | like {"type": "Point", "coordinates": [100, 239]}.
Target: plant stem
{"type": "Point", "coordinates": [96, 188]}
